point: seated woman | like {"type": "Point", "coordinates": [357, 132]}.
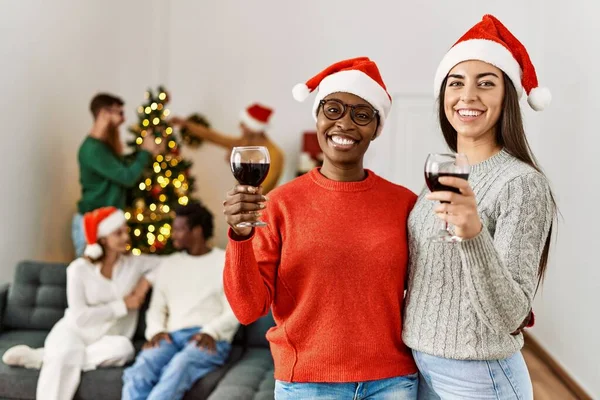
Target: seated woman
{"type": "Point", "coordinates": [105, 290]}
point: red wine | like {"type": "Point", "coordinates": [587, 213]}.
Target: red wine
{"type": "Point", "coordinates": [252, 174]}
{"type": "Point", "coordinates": [432, 179]}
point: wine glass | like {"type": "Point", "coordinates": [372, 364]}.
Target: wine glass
{"type": "Point", "coordinates": [437, 166]}
{"type": "Point", "coordinates": [250, 166]}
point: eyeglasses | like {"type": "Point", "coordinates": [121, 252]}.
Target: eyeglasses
{"type": "Point", "coordinates": [361, 115]}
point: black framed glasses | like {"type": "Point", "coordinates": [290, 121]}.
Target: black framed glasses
{"type": "Point", "coordinates": [360, 114]}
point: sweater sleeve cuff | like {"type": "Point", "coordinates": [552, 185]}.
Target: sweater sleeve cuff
{"type": "Point", "coordinates": [233, 238]}
{"type": "Point", "coordinates": [211, 332]}
{"type": "Point", "coordinates": [478, 250]}
{"type": "Point", "coordinates": [119, 308]}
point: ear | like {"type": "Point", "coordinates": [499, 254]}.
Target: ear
{"type": "Point", "coordinates": [198, 231]}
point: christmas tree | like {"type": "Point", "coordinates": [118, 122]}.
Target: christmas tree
{"type": "Point", "coordinates": [165, 185]}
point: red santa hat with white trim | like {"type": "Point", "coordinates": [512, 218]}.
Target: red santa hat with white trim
{"type": "Point", "coordinates": [98, 224]}
{"type": "Point", "coordinates": [490, 41]}
{"type": "Point", "coordinates": [256, 117]}
{"type": "Point", "coordinates": [358, 76]}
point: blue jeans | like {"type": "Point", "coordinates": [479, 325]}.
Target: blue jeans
{"type": "Point", "coordinates": [171, 369]}
{"type": "Point", "coordinates": [399, 388]}
{"type": "Point", "coordinates": [443, 378]}
{"type": "Point", "coordinates": [78, 235]}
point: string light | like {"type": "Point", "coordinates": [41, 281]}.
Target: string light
{"type": "Point", "coordinates": [148, 181]}
{"type": "Point", "coordinates": [158, 140]}
{"type": "Point", "coordinates": [144, 133]}
{"type": "Point", "coordinates": [147, 110]}
{"type": "Point", "coordinates": [136, 252]}
{"type": "Point", "coordinates": [142, 186]}
{"type": "Point", "coordinates": [164, 165]}
{"type": "Point", "coordinates": [183, 200]}
{"type": "Point", "coordinates": [140, 109]}
{"type": "Point", "coordinates": [156, 121]}
{"type": "Point", "coordinates": [137, 232]}
{"type": "Point", "coordinates": [140, 217]}
{"type": "Point", "coordinates": [162, 96]}
{"type": "Point", "coordinates": [172, 144]}
{"type": "Point", "coordinates": [169, 130]}
{"type": "Point", "coordinates": [162, 198]}
{"type": "Point", "coordinates": [166, 208]}
{"type": "Point", "coordinates": [159, 158]}
{"type": "Point", "coordinates": [161, 238]}
{"type": "Point", "coordinates": [152, 207]}
{"type": "Point", "coordinates": [151, 228]}
{"type": "Point", "coordinates": [166, 113]}
{"type": "Point", "coordinates": [177, 183]}
{"type": "Point", "coordinates": [157, 168]}
{"type": "Point", "coordinates": [168, 173]}
{"type": "Point", "coordinates": [127, 215]}
{"type": "Point", "coordinates": [153, 106]}
{"type": "Point", "coordinates": [145, 122]}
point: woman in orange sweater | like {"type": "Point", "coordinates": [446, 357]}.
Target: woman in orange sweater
{"type": "Point", "coordinates": [332, 261]}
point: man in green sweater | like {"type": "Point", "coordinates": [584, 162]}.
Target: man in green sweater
{"type": "Point", "coordinates": [103, 174]}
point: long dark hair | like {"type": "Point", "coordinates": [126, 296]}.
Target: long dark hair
{"type": "Point", "coordinates": [510, 134]}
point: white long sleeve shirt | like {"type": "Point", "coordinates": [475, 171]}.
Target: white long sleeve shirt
{"type": "Point", "coordinates": [95, 303]}
{"type": "Point", "coordinates": [188, 292]}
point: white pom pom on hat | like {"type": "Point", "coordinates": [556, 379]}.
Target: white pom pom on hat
{"type": "Point", "coordinates": [490, 41]}
{"type": "Point", "coordinates": [98, 224]}
{"type": "Point", "coordinates": [359, 76]}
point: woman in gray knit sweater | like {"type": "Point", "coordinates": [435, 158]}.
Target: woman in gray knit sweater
{"type": "Point", "coordinates": [466, 300]}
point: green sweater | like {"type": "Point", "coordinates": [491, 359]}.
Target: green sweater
{"type": "Point", "coordinates": [104, 176]}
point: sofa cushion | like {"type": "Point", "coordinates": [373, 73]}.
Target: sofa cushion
{"type": "Point", "coordinates": [249, 379]}
{"type": "Point", "coordinates": [19, 383]}
{"type": "Point", "coordinates": [100, 384]}
{"type": "Point", "coordinates": [37, 298]}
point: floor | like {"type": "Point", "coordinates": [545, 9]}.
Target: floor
{"type": "Point", "coordinates": [546, 385]}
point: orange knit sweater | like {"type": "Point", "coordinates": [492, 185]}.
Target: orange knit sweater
{"type": "Point", "coordinates": [332, 265]}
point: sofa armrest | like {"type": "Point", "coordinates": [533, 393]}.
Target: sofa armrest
{"type": "Point", "coordinates": [3, 299]}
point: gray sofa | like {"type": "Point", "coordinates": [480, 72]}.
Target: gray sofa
{"type": "Point", "coordinates": [36, 300]}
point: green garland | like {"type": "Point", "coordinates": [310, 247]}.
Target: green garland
{"type": "Point", "coordinates": [187, 137]}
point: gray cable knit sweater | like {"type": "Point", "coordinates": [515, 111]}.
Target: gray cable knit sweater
{"type": "Point", "coordinates": [465, 299]}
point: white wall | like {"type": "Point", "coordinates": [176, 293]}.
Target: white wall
{"type": "Point", "coordinates": [216, 57]}
{"type": "Point", "coordinates": [568, 143]}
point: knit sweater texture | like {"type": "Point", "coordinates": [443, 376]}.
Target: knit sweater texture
{"type": "Point", "coordinates": [465, 300]}
{"type": "Point", "coordinates": [332, 266]}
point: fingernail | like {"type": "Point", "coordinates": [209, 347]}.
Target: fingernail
{"type": "Point", "coordinates": [265, 198]}
{"type": "Point", "coordinates": [258, 214]}
{"type": "Point", "coordinates": [251, 189]}
{"type": "Point", "coordinates": [261, 205]}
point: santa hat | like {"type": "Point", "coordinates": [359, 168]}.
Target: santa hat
{"type": "Point", "coordinates": [358, 76]}
{"type": "Point", "coordinates": [256, 117]}
{"type": "Point", "coordinates": [98, 224]}
{"type": "Point", "coordinates": [493, 43]}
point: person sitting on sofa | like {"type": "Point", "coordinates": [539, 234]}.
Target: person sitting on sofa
{"type": "Point", "coordinates": [105, 289]}
{"type": "Point", "coordinates": [190, 324]}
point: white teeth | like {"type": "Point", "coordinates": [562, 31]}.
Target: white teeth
{"type": "Point", "coordinates": [342, 140]}
{"type": "Point", "coordinates": [469, 113]}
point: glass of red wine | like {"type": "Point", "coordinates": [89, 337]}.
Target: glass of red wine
{"type": "Point", "coordinates": [437, 166]}
{"type": "Point", "coordinates": [250, 166]}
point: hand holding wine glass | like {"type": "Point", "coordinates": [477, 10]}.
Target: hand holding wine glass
{"type": "Point", "coordinates": [250, 166]}
{"type": "Point", "coordinates": [446, 176]}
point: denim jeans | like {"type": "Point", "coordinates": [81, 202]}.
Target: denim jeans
{"type": "Point", "coordinates": [443, 378]}
{"type": "Point", "coordinates": [171, 369]}
{"type": "Point", "coordinates": [78, 235]}
{"type": "Point", "coordinates": [398, 388]}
